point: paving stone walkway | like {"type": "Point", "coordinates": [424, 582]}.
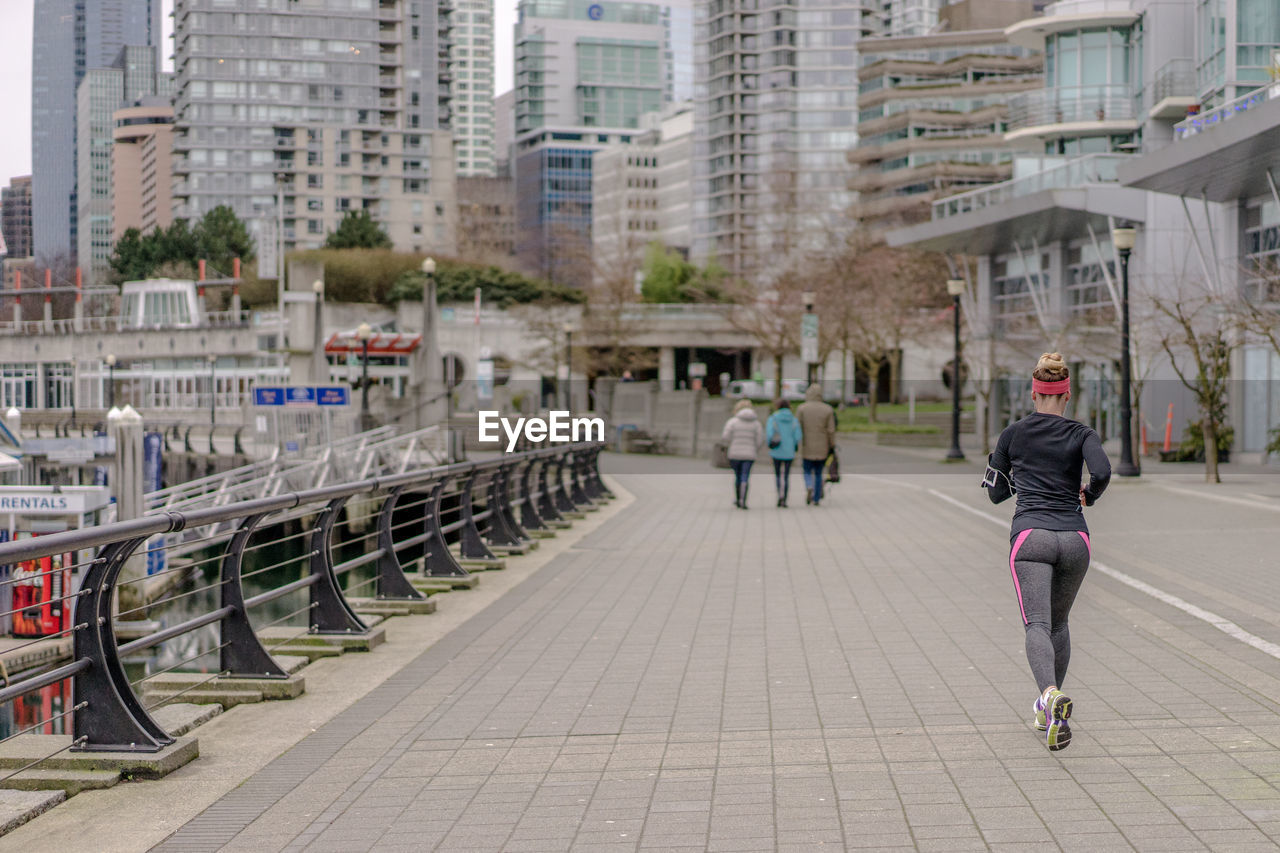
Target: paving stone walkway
{"type": "Point", "coordinates": [695, 677]}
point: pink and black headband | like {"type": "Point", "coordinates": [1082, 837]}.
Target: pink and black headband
{"type": "Point", "coordinates": [1050, 389]}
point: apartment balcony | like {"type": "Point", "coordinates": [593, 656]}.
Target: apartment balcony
{"type": "Point", "coordinates": [1067, 111]}
{"type": "Point", "coordinates": [937, 174]}
{"type": "Point", "coordinates": [1070, 15]}
{"type": "Point", "coordinates": [1173, 92]}
{"type": "Point", "coordinates": [960, 141]}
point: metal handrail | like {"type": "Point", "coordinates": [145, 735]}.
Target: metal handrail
{"type": "Point", "coordinates": [1192, 125]}
{"type": "Point", "coordinates": [109, 715]}
{"type": "Point", "coordinates": [1089, 169]}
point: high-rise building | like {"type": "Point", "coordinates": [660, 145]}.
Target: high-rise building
{"type": "Point", "coordinates": [585, 73]}
{"type": "Point", "coordinates": [471, 69]}
{"type": "Point", "coordinates": [336, 106]}
{"type": "Point", "coordinates": [141, 166]}
{"type": "Point", "coordinates": [132, 76]}
{"type": "Point", "coordinates": [642, 193]}
{"type": "Point", "coordinates": [775, 113]}
{"type": "Point", "coordinates": [15, 217]}
{"type": "Point", "coordinates": [933, 110]}
{"type": "Point", "coordinates": [504, 131]}
{"type": "Point", "coordinates": [71, 37]}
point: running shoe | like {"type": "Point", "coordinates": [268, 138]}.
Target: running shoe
{"type": "Point", "coordinates": [1057, 711]}
{"type": "Point", "coordinates": [1038, 708]}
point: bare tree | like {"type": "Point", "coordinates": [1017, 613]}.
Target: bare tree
{"type": "Point", "coordinates": [1198, 339]}
{"type": "Point", "coordinates": [874, 299]}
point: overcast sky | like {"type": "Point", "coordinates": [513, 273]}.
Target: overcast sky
{"type": "Point", "coordinates": [15, 74]}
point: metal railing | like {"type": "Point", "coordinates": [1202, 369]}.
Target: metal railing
{"type": "Point", "coordinates": [70, 325]}
{"type": "Point", "coordinates": [389, 522]}
{"type": "Point", "coordinates": [1196, 124]}
{"type": "Point", "coordinates": [1175, 79]}
{"type": "Point", "coordinates": [1090, 169]}
{"type": "Point", "coordinates": [1068, 105]}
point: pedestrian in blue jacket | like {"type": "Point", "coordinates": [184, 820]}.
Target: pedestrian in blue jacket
{"type": "Point", "coordinates": [783, 434]}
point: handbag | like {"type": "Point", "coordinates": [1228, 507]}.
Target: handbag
{"type": "Point", "coordinates": [833, 469]}
{"type": "Point", "coordinates": [775, 441]}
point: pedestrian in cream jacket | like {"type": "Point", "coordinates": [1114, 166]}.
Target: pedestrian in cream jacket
{"type": "Point", "coordinates": [745, 436]}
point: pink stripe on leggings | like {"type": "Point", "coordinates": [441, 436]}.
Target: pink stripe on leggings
{"type": "Point", "coordinates": [1085, 537]}
{"type": "Point", "coordinates": [1013, 553]}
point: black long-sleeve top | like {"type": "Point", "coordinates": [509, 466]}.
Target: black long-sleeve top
{"type": "Point", "coordinates": [1041, 457]}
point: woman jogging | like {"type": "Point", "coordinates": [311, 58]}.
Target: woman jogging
{"type": "Point", "coordinates": [1039, 458]}
{"type": "Point", "coordinates": [784, 435]}
{"type": "Point", "coordinates": [744, 435]}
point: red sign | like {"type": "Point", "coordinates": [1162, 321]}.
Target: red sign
{"type": "Point", "coordinates": [379, 344]}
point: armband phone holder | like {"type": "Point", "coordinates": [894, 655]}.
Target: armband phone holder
{"type": "Point", "coordinates": [991, 478]}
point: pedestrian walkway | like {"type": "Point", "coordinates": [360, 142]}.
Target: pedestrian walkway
{"type": "Point", "coordinates": [692, 676]}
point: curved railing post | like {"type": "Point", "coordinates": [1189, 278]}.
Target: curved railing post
{"type": "Point", "coordinates": [593, 471]}
{"type": "Point", "coordinates": [564, 503]}
{"type": "Point", "coordinates": [391, 580]}
{"type": "Point", "coordinates": [471, 546]}
{"type": "Point", "coordinates": [577, 493]}
{"type": "Point", "coordinates": [529, 518]}
{"type": "Point", "coordinates": [242, 652]}
{"type": "Point", "coordinates": [437, 559]}
{"type": "Point", "coordinates": [582, 463]}
{"type": "Point", "coordinates": [109, 716]}
{"type": "Point", "coordinates": [502, 530]}
{"type": "Point", "coordinates": [330, 613]}
{"type": "Point", "coordinates": [547, 509]}
{"type": "Point", "coordinates": [508, 509]}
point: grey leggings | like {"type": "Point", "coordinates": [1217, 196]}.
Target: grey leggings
{"type": "Point", "coordinates": [1048, 567]}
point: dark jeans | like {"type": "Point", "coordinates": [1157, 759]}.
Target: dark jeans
{"type": "Point", "coordinates": [782, 476]}
{"type": "Point", "coordinates": [741, 470]}
{"type": "Point", "coordinates": [813, 476]}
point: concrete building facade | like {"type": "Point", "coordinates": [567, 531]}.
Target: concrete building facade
{"type": "Point", "coordinates": [69, 38]}
{"type": "Point", "coordinates": [302, 113]}
{"type": "Point", "coordinates": [15, 217]}
{"type": "Point", "coordinates": [642, 193]}
{"type": "Point", "coordinates": [776, 114]}
{"type": "Point", "coordinates": [141, 165]}
{"type": "Point", "coordinates": [487, 221]}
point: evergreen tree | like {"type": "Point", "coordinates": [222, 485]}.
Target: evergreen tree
{"type": "Point", "coordinates": [357, 230]}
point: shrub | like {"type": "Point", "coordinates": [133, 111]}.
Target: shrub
{"type": "Point", "coordinates": [1192, 446]}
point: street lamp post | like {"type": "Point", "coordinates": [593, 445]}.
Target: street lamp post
{"type": "Point", "coordinates": [568, 366]}
{"type": "Point", "coordinates": [426, 349]}
{"type": "Point", "coordinates": [75, 364]}
{"type": "Point", "coordinates": [111, 381]}
{"type": "Point", "coordinates": [319, 362]}
{"type": "Point", "coordinates": [955, 287]}
{"type": "Point", "coordinates": [1123, 238]}
{"type": "Point", "coordinates": [213, 394]}
{"type": "Point", "coordinates": [363, 333]}
{"type": "Point", "coordinates": [809, 331]}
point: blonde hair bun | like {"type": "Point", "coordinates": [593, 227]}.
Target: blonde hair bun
{"type": "Point", "coordinates": [1051, 367]}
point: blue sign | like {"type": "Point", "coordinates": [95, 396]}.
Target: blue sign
{"type": "Point", "coordinates": [595, 11]}
{"type": "Point", "coordinates": [153, 480]}
{"type": "Point", "coordinates": [299, 395]}
{"type": "Point", "coordinates": [304, 396]}
{"type": "Point", "coordinates": [268, 396]}
{"type": "Point", "coordinates": [338, 395]}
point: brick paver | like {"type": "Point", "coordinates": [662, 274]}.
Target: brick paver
{"type": "Point", "coordinates": [695, 677]}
